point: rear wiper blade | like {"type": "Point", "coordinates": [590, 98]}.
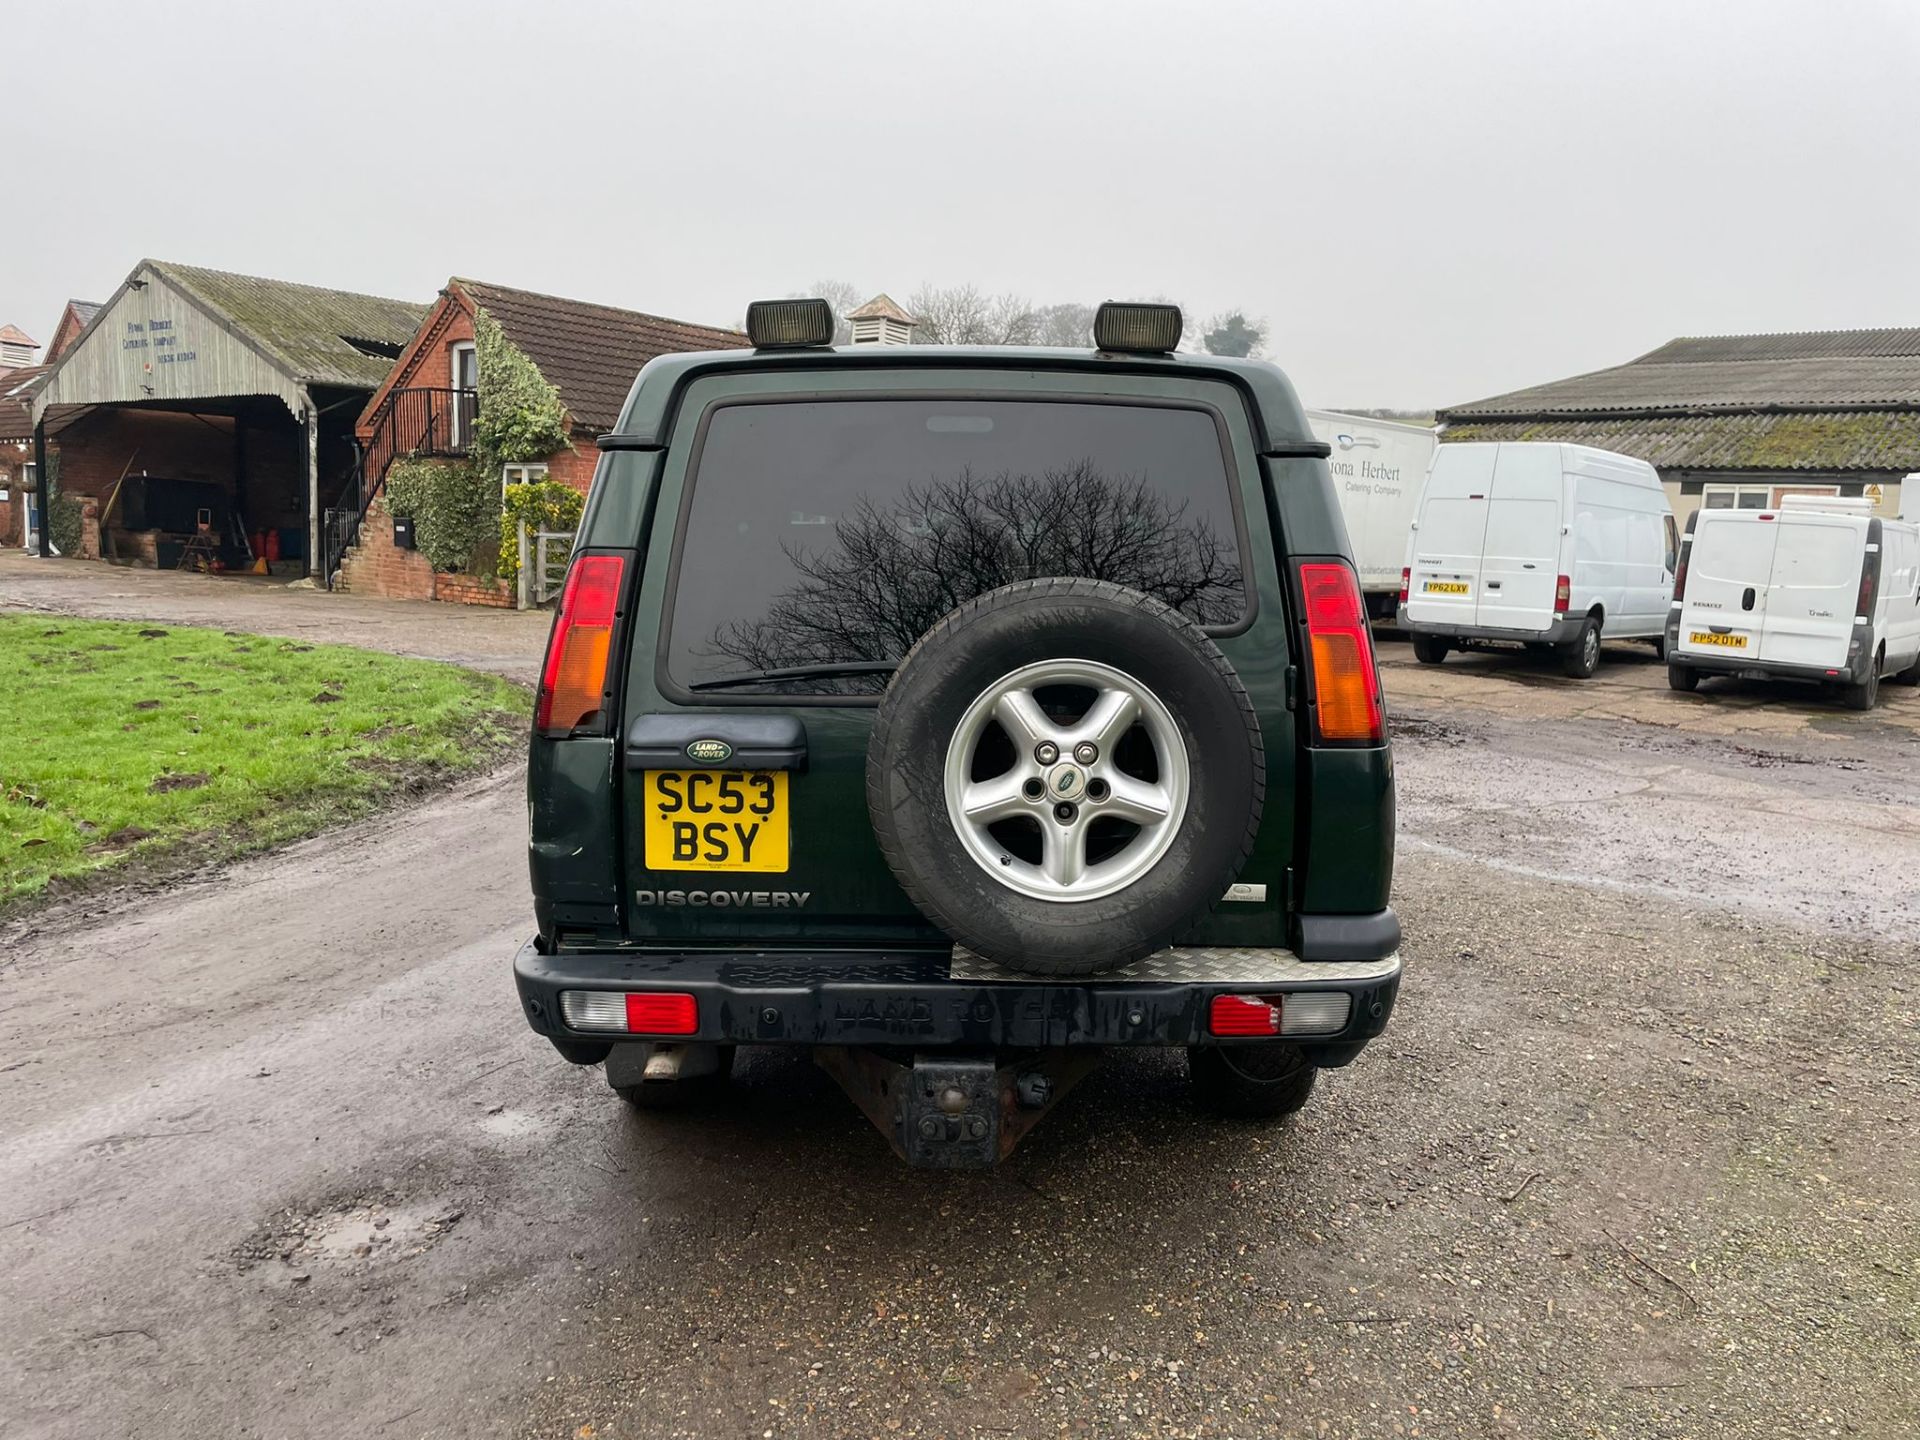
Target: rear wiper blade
{"type": "Point", "coordinates": [799, 672]}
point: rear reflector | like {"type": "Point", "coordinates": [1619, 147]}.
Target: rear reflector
{"type": "Point", "coordinates": [1346, 688]}
{"type": "Point", "coordinates": [573, 681]}
{"type": "Point", "coordinates": [1243, 1015]}
{"type": "Point", "coordinates": [1251, 1016]}
{"type": "Point", "coordinates": [646, 1013]}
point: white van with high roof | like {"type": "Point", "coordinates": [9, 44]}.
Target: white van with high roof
{"type": "Point", "coordinates": [1538, 544]}
{"type": "Point", "coordinates": [1819, 589]}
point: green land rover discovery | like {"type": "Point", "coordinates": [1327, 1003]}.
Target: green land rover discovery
{"type": "Point", "coordinates": [960, 714]}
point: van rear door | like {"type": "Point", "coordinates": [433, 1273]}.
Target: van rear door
{"type": "Point", "coordinates": [1814, 588]}
{"type": "Point", "coordinates": [1728, 568]}
{"type": "Point", "coordinates": [1443, 566]}
{"type": "Point", "coordinates": [1521, 550]}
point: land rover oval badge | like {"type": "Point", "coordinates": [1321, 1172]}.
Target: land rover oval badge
{"type": "Point", "coordinates": [709, 752]}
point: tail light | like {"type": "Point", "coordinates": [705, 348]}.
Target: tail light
{"type": "Point", "coordinates": [1562, 594]}
{"type": "Point", "coordinates": [1313, 1012]}
{"type": "Point", "coordinates": [1406, 582]}
{"type": "Point", "coordinates": [652, 1012]}
{"type": "Point", "coordinates": [1680, 571]}
{"type": "Point", "coordinates": [1346, 687]}
{"type": "Point", "coordinates": [1243, 1015]}
{"type": "Point", "coordinates": [1869, 584]}
{"type": "Point", "coordinates": [574, 680]}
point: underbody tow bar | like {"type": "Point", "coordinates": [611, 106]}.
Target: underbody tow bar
{"type": "Point", "coordinates": [948, 1112]}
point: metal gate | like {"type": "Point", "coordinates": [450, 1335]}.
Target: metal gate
{"type": "Point", "coordinates": [551, 551]}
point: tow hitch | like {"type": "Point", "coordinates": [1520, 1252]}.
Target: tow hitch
{"type": "Point", "coordinates": [947, 1112]}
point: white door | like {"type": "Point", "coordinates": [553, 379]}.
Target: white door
{"type": "Point", "coordinates": [1900, 594]}
{"type": "Point", "coordinates": [1443, 556]}
{"type": "Point", "coordinates": [1815, 588]}
{"type": "Point", "coordinates": [464, 365]}
{"type": "Point", "coordinates": [1520, 568]}
{"type": "Point", "coordinates": [1728, 567]}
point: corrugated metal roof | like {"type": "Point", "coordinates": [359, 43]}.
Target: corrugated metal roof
{"type": "Point", "coordinates": [1834, 369]}
{"type": "Point", "coordinates": [1791, 345]}
{"type": "Point", "coordinates": [305, 327]}
{"type": "Point", "coordinates": [1829, 440]}
{"type": "Point", "coordinates": [590, 353]}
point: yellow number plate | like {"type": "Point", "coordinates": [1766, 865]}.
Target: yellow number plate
{"type": "Point", "coordinates": [1445, 587]}
{"type": "Point", "coordinates": [1725, 642]}
{"type": "Point", "coordinates": [716, 820]}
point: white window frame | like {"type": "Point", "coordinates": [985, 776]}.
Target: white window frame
{"type": "Point", "coordinates": [523, 474]}
{"type": "Point", "coordinates": [1761, 496]}
{"type": "Point", "coordinates": [458, 428]}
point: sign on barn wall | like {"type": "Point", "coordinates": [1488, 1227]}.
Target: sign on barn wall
{"type": "Point", "coordinates": [153, 342]}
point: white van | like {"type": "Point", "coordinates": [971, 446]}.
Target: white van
{"type": "Point", "coordinates": [1377, 469]}
{"type": "Point", "coordinates": [1541, 545]}
{"type": "Point", "coordinates": [1820, 589]}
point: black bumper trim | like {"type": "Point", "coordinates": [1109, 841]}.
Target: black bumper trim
{"type": "Point", "coordinates": [909, 999]}
{"type": "Point", "coordinates": [1348, 937]}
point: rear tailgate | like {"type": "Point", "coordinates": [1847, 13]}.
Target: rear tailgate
{"type": "Point", "coordinates": [1443, 569]}
{"type": "Point", "coordinates": [1814, 588]}
{"type": "Point", "coordinates": [1728, 569]}
{"type": "Point", "coordinates": [1521, 560]}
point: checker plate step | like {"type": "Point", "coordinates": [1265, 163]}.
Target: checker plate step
{"type": "Point", "coordinates": [1192, 965]}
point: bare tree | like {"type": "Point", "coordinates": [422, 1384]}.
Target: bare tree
{"type": "Point", "coordinates": [1232, 333]}
{"type": "Point", "coordinates": [894, 569]}
{"type": "Point", "coordinates": [1068, 326]}
{"type": "Point", "coordinates": [962, 315]}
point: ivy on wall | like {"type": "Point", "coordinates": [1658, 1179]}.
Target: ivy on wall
{"type": "Point", "coordinates": [459, 521]}
{"type": "Point", "coordinates": [454, 506]}
{"type": "Point", "coordinates": [520, 418]}
{"type": "Point", "coordinates": [544, 505]}
{"type": "Point", "coordinates": [63, 511]}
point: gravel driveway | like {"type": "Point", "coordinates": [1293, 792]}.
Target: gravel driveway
{"type": "Point", "coordinates": [1637, 1157]}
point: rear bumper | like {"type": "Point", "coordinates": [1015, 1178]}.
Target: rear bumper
{"type": "Point", "coordinates": [1558, 633]}
{"type": "Point", "coordinates": [915, 999]}
{"type": "Point", "coordinates": [1850, 672]}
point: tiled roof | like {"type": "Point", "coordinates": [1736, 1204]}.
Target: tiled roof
{"type": "Point", "coordinates": [1819, 440]}
{"type": "Point", "coordinates": [84, 310]}
{"type": "Point", "coordinates": [14, 335]}
{"type": "Point", "coordinates": [16, 387]}
{"type": "Point", "coordinates": [304, 326]}
{"type": "Point", "coordinates": [1819, 370]}
{"type": "Point", "coordinates": [590, 353]}
{"type": "Point", "coordinates": [881, 307]}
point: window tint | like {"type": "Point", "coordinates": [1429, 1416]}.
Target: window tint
{"type": "Point", "coordinates": [831, 532]}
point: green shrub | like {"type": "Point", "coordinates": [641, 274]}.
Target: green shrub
{"type": "Point", "coordinates": [63, 512]}
{"type": "Point", "coordinates": [454, 506]}
{"type": "Point", "coordinates": [520, 418]}
{"type": "Point", "coordinates": [546, 505]}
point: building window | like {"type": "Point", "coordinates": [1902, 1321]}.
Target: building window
{"type": "Point", "coordinates": [1756, 497]}
{"type": "Point", "coordinates": [463, 366]}
{"type": "Point", "coordinates": [523, 474]}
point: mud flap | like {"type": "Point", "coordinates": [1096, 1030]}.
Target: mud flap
{"type": "Point", "coordinates": [946, 1112]}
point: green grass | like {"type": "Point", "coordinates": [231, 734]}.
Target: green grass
{"type": "Point", "coordinates": [143, 748]}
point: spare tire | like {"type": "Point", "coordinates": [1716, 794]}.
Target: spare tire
{"type": "Point", "coordinates": [1065, 775]}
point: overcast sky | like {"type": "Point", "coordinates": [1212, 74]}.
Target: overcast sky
{"type": "Point", "coordinates": [1429, 202]}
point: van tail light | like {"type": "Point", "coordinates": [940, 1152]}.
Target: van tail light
{"type": "Point", "coordinates": [1346, 686]}
{"type": "Point", "coordinates": [1562, 594]}
{"type": "Point", "coordinates": [1406, 582]}
{"type": "Point", "coordinates": [1680, 571]}
{"type": "Point", "coordinates": [1869, 585]}
{"type": "Point", "coordinates": [573, 681]}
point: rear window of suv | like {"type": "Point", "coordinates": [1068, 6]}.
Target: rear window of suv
{"type": "Point", "coordinates": [828, 533]}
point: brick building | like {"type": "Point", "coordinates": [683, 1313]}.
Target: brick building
{"type": "Point", "coordinates": [196, 400]}
{"type": "Point", "coordinates": [75, 318]}
{"type": "Point", "coordinates": [427, 405]}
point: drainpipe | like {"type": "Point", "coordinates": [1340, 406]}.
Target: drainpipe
{"type": "Point", "coordinates": [311, 416]}
{"type": "Point", "coordinates": [40, 485]}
